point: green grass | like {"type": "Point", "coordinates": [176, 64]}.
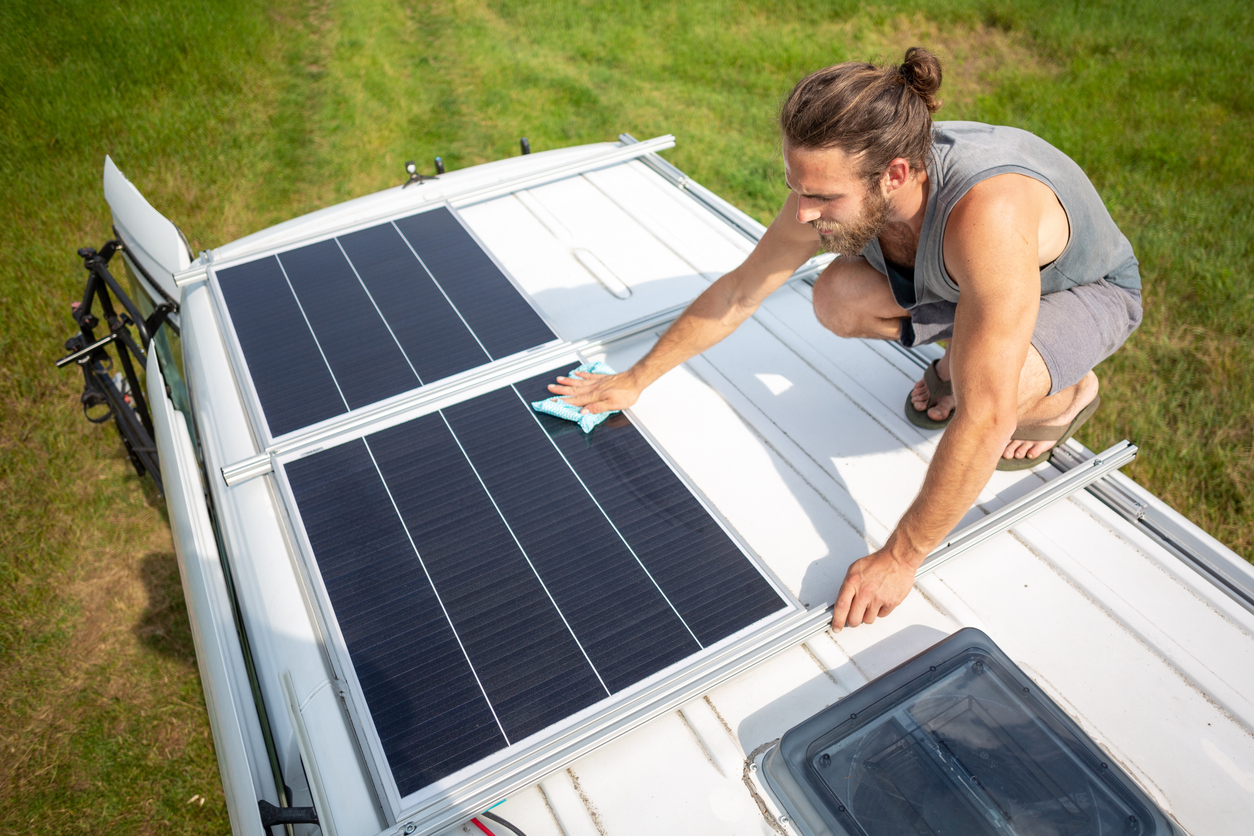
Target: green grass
{"type": "Point", "coordinates": [230, 120]}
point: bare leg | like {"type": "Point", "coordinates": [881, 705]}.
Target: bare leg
{"type": "Point", "coordinates": [853, 299]}
{"type": "Point", "coordinates": [1037, 408]}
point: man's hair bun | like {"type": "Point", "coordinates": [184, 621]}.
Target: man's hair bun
{"type": "Point", "coordinates": [921, 72]}
{"type": "Point", "coordinates": [875, 113]}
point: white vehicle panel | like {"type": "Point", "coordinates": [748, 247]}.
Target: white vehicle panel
{"type": "Point", "coordinates": [237, 735]}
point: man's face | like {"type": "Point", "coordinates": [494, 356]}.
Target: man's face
{"type": "Point", "coordinates": [833, 196]}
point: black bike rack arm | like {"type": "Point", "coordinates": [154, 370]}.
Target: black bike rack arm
{"type": "Point", "coordinates": [133, 419]}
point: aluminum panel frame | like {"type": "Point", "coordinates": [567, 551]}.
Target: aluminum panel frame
{"type": "Point", "coordinates": [265, 439]}
{"type": "Point", "coordinates": [638, 703]}
{"type": "Point", "coordinates": [478, 193]}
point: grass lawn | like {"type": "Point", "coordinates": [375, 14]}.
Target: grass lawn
{"type": "Point", "coordinates": [230, 120]}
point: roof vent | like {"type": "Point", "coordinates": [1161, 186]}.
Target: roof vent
{"type": "Point", "coordinates": [956, 740]}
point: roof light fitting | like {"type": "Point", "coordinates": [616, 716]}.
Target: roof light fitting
{"type": "Point", "coordinates": [414, 177]}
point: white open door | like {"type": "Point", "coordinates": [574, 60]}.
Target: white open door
{"type": "Point", "coordinates": [153, 245]}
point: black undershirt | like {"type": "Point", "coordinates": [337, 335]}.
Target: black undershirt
{"type": "Point", "coordinates": [901, 282]}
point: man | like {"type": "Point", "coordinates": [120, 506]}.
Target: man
{"type": "Point", "coordinates": [986, 236]}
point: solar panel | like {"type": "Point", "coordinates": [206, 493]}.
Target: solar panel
{"type": "Point", "coordinates": [269, 324]}
{"type": "Point", "coordinates": [474, 284]}
{"type": "Point", "coordinates": [493, 573]}
{"type": "Point", "coordinates": [347, 322]}
{"type": "Point", "coordinates": [364, 359]}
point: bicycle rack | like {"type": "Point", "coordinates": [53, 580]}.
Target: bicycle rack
{"type": "Point", "coordinates": [119, 392]}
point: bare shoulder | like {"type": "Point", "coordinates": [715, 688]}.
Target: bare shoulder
{"type": "Point", "coordinates": [996, 227]}
{"type": "Point", "coordinates": [1005, 210]}
{"type": "Point", "coordinates": [1004, 200]}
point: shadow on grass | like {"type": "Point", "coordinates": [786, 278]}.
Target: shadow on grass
{"type": "Point", "coordinates": [164, 626]}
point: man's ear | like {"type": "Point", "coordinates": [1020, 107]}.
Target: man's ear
{"type": "Point", "coordinates": [897, 174]}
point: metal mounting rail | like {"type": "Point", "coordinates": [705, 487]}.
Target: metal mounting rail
{"type": "Point", "coordinates": [501, 371]}
{"type": "Point", "coordinates": [621, 154]}
{"type": "Point", "coordinates": [1075, 479]}
{"type": "Point", "coordinates": [1208, 557]}
{"type": "Point", "coordinates": [737, 219]}
{"type": "Point", "coordinates": [1219, 565]}
{"type": "Point", "coordinates": [454, 197]}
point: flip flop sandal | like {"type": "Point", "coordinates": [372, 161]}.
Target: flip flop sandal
{"type": "Point", "coordinates": [936, 389]}
{"type": "Point", "coordinates": [1059, 435]}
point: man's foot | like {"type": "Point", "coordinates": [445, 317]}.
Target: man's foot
{"type": "Point", "coordinates": [931, 402]}
{"type": "Point", "coordinates": [1031, 443]}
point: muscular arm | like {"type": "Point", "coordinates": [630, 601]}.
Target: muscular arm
{"type": "Point", "coordinates": [716, 313]}
{"type": "Point", "coordinates": [991, 251]}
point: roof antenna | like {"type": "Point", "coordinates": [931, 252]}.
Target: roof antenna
{"type": "Point", "coordinates": [525, 145]}
{"type": "Point", "coordinates": [415, 177]}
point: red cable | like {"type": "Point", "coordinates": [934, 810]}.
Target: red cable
{"type": "Point", "coordinates": [479, 825]}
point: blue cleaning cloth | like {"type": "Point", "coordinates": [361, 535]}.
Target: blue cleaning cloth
{"type": "Point", "coordinates": [558, 408]}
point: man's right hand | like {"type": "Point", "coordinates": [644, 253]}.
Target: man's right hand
{"type": "Point", "coordinates": [597, 392]}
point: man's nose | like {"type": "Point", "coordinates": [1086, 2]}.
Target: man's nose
{"type": "Point", "coordinates": [807, 210]}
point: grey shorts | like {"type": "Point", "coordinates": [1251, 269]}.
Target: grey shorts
{"type": "Point", "coordinates": [1075, 329]}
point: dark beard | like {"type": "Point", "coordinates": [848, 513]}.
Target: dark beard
{"type": "Point", "coordinates": [851, 238]}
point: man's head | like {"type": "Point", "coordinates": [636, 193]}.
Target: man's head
{"type": "Point", "coordinates": [874, 113]}
{"type": "Point", "coordinates": [858, 122]}
{"type": "Point", "coordinates": [846, 208]}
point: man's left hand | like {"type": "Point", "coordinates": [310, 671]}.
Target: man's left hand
{"type": "Point", "coordinates": [873, 587]}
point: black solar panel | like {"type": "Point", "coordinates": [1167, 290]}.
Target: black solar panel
{"type": "Point", "coordinates": [425, 323]}
{"type": "Point", "coordinates": [494, 573]}
{"type": "Point", "coordinates": [474, 284]}
{"type": "Point", "coordinates": [347, 322]}
{"type": "Point", "coordinates": [428, 708]}
{"type": "Point", "coordinates": [294, 384]}
{"type": "Point", "coordinates": [708, 581]}
{"type": "Point", "coordinates": [366, 362]}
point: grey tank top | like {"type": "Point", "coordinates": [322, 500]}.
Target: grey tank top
{"type": "Point", "coordinates": [963, 154]}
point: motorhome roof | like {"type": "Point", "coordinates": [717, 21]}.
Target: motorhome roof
{"type": "Point", "coordinates": [1136, 622]}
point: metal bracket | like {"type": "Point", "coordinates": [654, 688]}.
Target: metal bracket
{"type": "Point", "coordinates": [272, 815]}
{"type": "Point", "coordinates": [192, 275]}
{"type": "Point", "coordinates": [411, 168]}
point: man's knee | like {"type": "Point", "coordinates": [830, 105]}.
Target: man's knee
{"type": "Point", "coordinates": [828, 306]}
{"type": "Point", "coordinates": [836, 300]}
{"type": "Point", "coordinates": [851, 299]}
